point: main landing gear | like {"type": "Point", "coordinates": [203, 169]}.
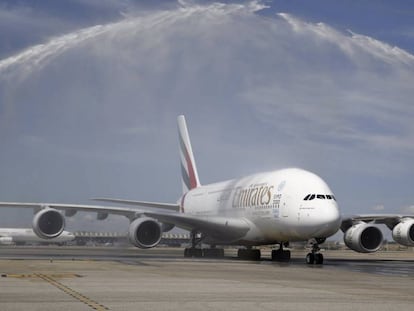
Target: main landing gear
{"type": "Point", "coordinates": [280, 254]}
{"type": "Point", "coordinates": [193, 251]}
{"type": "Point", "coordinates": [314, 257]}
{"type": "Point", "coordinates": [249, 253]}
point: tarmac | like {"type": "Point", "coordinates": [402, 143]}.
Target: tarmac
{"type": "Point", "coordinates": [53, 278]}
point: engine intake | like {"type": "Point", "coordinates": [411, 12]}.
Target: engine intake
{"type": "Point", "coordinates": [403, 233]}
{"type": "Point", "coordinates": [145, 232]}
{"type": "Point", "coordinates": [48, 223]}
{"type": "Point", "coordinates": [363, 238]}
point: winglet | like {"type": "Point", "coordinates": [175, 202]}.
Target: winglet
{"type": "Point", "coordinates": [188, 167]}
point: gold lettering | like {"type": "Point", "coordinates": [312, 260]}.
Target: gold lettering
{"type": "Point", "coordinates": [269, 194]}
{"type": "Point", "coordinates": [236, 198]}
{"type": "Point", "coordinates": [253, 200]}
{"type": "Point", "coordinates": [257, 195]}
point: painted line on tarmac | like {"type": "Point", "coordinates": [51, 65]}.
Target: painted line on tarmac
{"type": "Point", "coordinates": [82, 298]}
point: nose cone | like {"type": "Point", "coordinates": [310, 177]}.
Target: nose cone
{"type": "Point", "coordinates": [329, 220]}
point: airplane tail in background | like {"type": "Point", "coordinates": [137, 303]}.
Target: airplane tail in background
{"type": "Point", "coordinates": [188, 167]}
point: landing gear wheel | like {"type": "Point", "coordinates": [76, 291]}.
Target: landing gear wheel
{"type": "Point", "coordinates": [213, 252]}
{"type": "Point", "coordinates": [315, 257]}
{"type": "Point", "coordinates": [310, 259]}
{"type": "Point", "coordinates": [193, 252]}
{"type": "Point", "coordinates": [319, 259]}
{"type": "Point", "coordinates": [249, 254]}
{"type": "Point", "coordinates": [280, 254]}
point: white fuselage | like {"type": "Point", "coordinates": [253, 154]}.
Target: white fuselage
{"type": "Point", "coordinates": [272, 203]}
{"type": "Point", "coordinates": [22, 235]}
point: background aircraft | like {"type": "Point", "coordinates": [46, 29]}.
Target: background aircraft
{"type": "Point", "coordinates": [276, 207]}
{"type": "Point", "coordinates": [27, 235]}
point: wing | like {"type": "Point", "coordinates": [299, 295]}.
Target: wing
{"type": "Point", "coordinates": [71, 208]}
{"type": "Point", "coordinates": [167, 206]}
{"type": "Point", "coordinates": [224, 228]}
{"type": "Point", "coordinates": [390, 220]}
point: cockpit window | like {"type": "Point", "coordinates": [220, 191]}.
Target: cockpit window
{"type": "Point", "coordinates": [310, 197]}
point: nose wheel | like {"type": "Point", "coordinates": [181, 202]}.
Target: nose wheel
{"type": "Point", "coordinates": [314, 257]}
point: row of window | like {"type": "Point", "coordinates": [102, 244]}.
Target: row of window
{"type": "Point", "coordinates": [319, 196]}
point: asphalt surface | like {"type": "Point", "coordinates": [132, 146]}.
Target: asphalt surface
{"type": "Point", "coordinates": [53, 278]}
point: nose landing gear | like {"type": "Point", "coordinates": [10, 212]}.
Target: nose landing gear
{"type": "Point", "coordinates": [314, 257]}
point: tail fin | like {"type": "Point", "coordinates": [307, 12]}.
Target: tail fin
{"type": "Point", "coordinates": [188, 167]}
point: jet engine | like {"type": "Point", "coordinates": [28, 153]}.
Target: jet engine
{"type": "Point", "coordinates": [48, 223]}
{"type": "Point", "coordinates": [403, 233]}
{"type": "Point", "coordinates": [363, 238]}
{"type": "Point", "coordinates": [145, 232]}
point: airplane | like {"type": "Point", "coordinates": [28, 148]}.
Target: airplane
{"type": "Point", "coordinates": [10, 236]}
{"type": "Point", "coordinates": [271, 208]}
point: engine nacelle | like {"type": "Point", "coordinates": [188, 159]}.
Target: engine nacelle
{"type": "Point", "coordinates": [145, 232]}
{"type": "Point", "coordinates": [48, 223]}
{"type": "Point", "coordinates": [363, 238]}
{"type": "Point", "coordinates": [403, 233]}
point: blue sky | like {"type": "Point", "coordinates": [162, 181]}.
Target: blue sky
{"type": "Point", "coordinates": [90, 91]}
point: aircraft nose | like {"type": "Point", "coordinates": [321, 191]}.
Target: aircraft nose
{"type": "Point", "coordinates": [330, 219]}
{"type": "Point", "coordinates": [332, 214]}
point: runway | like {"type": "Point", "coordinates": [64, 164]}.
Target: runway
{"type": "Point", "coordinates": [82, 278]}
